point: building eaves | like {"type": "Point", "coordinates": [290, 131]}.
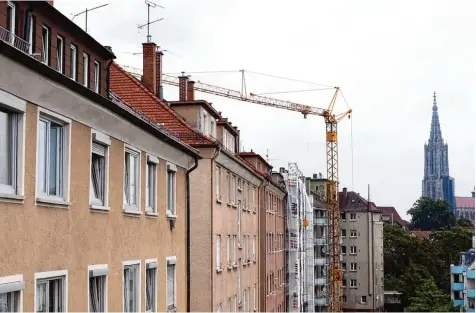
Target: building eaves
{"type": "Point", "coordinates": [57, 77]}
{"type": "Point", "coordinates": [134, 92]}
{"type": "Point", "coordinates": [203, 103]}
{"type": "Point", "coordinates": [254, 154]}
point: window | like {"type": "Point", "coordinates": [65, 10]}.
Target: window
{"type": "Point", "coordinates": [51, 292]}
{"type": "Point", "coordinates": [9, 147]}
{"type": "Point", "coordinates": [344, 266]}
{"type": "Point", "coordinates": [254, 297]}
{"type": "Point", "coordinates": [10, 293]}
{"type": "Point", "coordinates": [151, 185]}
{"type": "Point", "coordinates": [344, 299]}
{"type": "Point", "coordinates": [131, 179]}
{"type": "Point", "coordinates": [11, 19]}
{"type": "Point", "coordinates": [363, 299]}
{"type": "Point", "coordinates": [353, 234]}
{"type": "Point", "coordinates": [85, 70]}
{"type": "Point", "coordinates": [171, 297]}
{"type": "Point", "coordinates": [344, 283]}
{"type": "Point", "coordinates": [45, 45]}
{"type": "Point", "coordinates": [171, 190]}
{"type": "Point", "coordinates": [254, 248]}
{"type": "Point", "coordinates": [233, 190]}
{"type": "Point", "coordinates": [343, 250]}
{"type": "Point", "coordinates": [234, 249]}
{"type": "Point", "coordinates": [343, 233]}
{"type": "Point", "coordinates": [234, 303]}
{"type": "Point", "coordinates": [218, 252]}
{"type": "Point", "coordinates": [99, 157]}
{"type": "Point", "coordinates": [73, 62]}
{"type": "Point", "coordinates": [59, 54]}
{"type": "Point", "coordinates": [353, 216]}
{"type": "Point", "coordinates": [212, 126]}
{"type": "Point", "coordinates": [151, 286]}
{"type": "Point", "coordinates": [353, 283]}
{"type": "Point", "coordinates": [30, 31]}
{"type": "Point", "coordinates": [253, 201]}
{"type": "Point", "coordinates": [51, 157]}
{"type": "Point", "coordinates": [353, 250]}
{"type": "Point", "coordinates": [131, 287]}
{"type": "Point", "coordinates": [228, 187]}
{"type": "Point", "coordinates": [217, 182]}
{"type": "Point", "coordinates": [98, 288]}
{"type": "Point", "coordinates": [218, 307]}
{"type": "Point", "coordinates": [239, 223]}
{"type": "Point", "coordinates": [353, 267]}
{"type": "Point", "coordinates": [97, 71]}
{"type": "Point", "coordinates": [228, 250]}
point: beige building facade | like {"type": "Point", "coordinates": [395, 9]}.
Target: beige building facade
{"type": "Point", "coordinates": [93, 197]}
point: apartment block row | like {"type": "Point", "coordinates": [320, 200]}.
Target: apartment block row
{"type": "Point", "coordinates": [113, 198]}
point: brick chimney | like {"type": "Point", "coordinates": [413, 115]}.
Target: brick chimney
{"type": "Point", "coordinates": [183, 86]}
{"type": "Point", "coordinates": [190, 90]}
{"type": "Point", "coordinates": [158, 74]}
{"type": "Point", "coordinates": [51, 2]}
{"type": "Point", "coordinates": [149, 66]}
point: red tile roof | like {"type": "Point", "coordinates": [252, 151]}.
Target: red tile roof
{"type": "Point", "coordinates": [391, 211]}
{"type": "Point", "coordinates": [132, 91]}
{"type": "Point", "coordinates": [464, 202]}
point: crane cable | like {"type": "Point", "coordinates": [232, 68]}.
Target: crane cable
{"type": "Point", "coordinates": [351, 140]}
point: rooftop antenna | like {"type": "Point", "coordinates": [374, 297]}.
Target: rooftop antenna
{"type": "Point", "coordinates": [150, 4]}
{"type": "Point", "coordinates": [86, 14]}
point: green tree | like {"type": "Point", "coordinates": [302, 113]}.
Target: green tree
{"type": "Point", "coordinates": [464, 222]}
{"type": "Point", "coordinates": [431, 214]}
{"type": "Point", "coordinates": [429, 298]}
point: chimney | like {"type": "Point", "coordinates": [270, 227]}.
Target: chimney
{"type": "Point", "coordinates": [344, 194]}
{"type": "Point", "coordinates": [51, 2]}
{"type": "Point", "coordinates": [190, 90]}
{"type": "Point", "coordinates": [149, 66]}
{"type": "Point", "coordinates": [158, 75]}
{"type": "Point", "coordinates": [183, 84]}
{"type": "Point", "coordinates": [281, 170]}
{"type": "Point", "coordinates": [314, 176]}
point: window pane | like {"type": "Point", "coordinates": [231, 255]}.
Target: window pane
{"type": "Point", "coordinates": [170, 286]}
{"type": "Point", "coordinates": [150, 289]}
{"type": "Point", "coordinates": [126, 177]}
{"type": "Point", "coordinates": [98, 177]}
{"type": "Point", "coordinates": [6, 149]}
{"type": "Point", "coordinates": [54, 160]}
{"type": "Point", "coordinates": [133, 180]}
{"type": "Point", "coordinates": [42, 151]}
{"type": "Point", "coordinates": [97, 293]}
{"type": "Point", "coordinates": [41, 297]}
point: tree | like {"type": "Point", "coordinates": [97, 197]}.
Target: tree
{"type": "Point", "coordinates": [429, 298]}
{"type": "Point", "coordinates": [464, 222]}
{"type": "Point", "coordinates": [431, 214]}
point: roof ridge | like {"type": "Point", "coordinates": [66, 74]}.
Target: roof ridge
{"type": "Point", "coordinates": [159, 102]}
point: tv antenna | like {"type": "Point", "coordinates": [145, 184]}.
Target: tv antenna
{"type": "Point", "coordinates": [149, 5]}
{"type": "Point", "coordinates": [86, 14]}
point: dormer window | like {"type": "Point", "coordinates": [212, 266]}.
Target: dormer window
{"type": "Point", "coordinates": [212, 126]}
{"type": "Point", "coordinates": [229, 140]}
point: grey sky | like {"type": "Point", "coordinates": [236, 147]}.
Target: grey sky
{"type": "Point", "coordinates": [387, 56]}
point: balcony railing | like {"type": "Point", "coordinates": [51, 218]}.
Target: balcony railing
{"type": "Point", "coordinates": [14, 41]}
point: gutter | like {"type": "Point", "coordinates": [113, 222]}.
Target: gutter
{"type": "Point", "coordinates": [262, 267]}
{"type": "Point", "coordinates": [187, 192]}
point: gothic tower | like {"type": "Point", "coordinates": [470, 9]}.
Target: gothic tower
{"type": "Point", "coordinates": [437, 183]}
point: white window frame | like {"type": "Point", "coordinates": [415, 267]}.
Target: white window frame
{"type": "Point", "coordinates": [212, 126]}
{"type": "Point", "coordinates": [254, 297]}
{"type": "Point", "coordinates": [239, 224]}
{"type": "Point", "coordinates": [171, 169]}
{"type": "Point", "coordinates": [343, 233]}
{"type": "Point", "coordinates": [85, 70]}
{"type": "Point", "coordinates": [45, 46]}
{"type": "Point", "coordinates": [31, 22]}
{"type": "Point", "coordinates": [353, 234]}
{"type": "Point", "coordinates": [353, 267]}
{"type": "Point", "coordinates": [354, 248]}
{"type": "Point", "coordinates": [128, 207]}
{"type": "Point", "coordinates": [218, 182]}
{"type": "Point", "coordinates": [13, 21]}
{"type": "Point", "coordinates": [254, 199]}
{"type": "Point", "coordinates": [153, 162]}
{"type": "Point", "coordinates": [136, 263]}
{"type": "Point", "coordinates": [234, 250]}
{"type": "Point", "coordinates": [74, 62]}
{"type": "Point", "coordinates": [172, 260]}
{"type": "Point", "coordinates": [229, 262]}
{"type": "Point", "coordinates": [97, 76]}
{"type": "Point", "coordinates": [233, 190]}
{"type": "Point", "coordinates": [353, 217]}
{"type": "Point", "coordinates": [219, 266]}
{"type": "Point", "coordinates": [60, 54]}
{"type": "Point", "coordinates": [51, 275]}
{"type": "Point", "coordinates": [362, 300]}
{"type": "Point", "coordinates": [353, 283]}
{"type": "Point", "coordinates": [149, 264]}
{"type": "Point", "coordinates": [16, 108]}
{"type": "Point", "coordinates": [63, 199]}
{"type": "Point", "coordinates": [105, 141]}
{"type": "Point", "coordinates": [105, 271]}
{"type": "Point", "coordinates": [16, 284]}
{"type": "Point", "coordinates": [228, 188]}
{"type": "Point", "coordinates": [254, 248]}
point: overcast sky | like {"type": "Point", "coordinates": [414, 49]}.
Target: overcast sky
{"type": "Point", "coordinates": [387, 56]}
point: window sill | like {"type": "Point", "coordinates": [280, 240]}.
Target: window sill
{"type": "Point", "coordinates": [98, 208]}
{"type": "Point", "coordinates": [235, 266]}
{"type": "Point", "coordinates": [229, 267]}
{"type": "Point", "coordinates": [219, 270]}
{"type": "Point", "coordinates": [239, 246]}
{"type": "Point", "coordinates": [151, 214]}
{"type": "Point", "coordinates": [131, 212]}
{"type": "Point", "coordinates": [11, 198]}
{"type": "Point", "coordinates": [44, 202]}
{"type": "Point", "coordinates": [219, 201]}
{"type": "Point", "coordinates": [172, 309]}
{"type": "Point", "coordinates": [171, 217]}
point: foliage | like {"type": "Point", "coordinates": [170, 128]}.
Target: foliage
{"type": "Point", "coordinates": [430, 299]}
{"type": "Point", "coordinates": [464, 222]}
{"type": "Point", "coordinates": [431, 214]}
{"type": "Point", "coordinates": [411, 262]}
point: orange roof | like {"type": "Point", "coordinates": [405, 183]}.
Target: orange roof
{"type": "Point", "coordinates": [136, 94]}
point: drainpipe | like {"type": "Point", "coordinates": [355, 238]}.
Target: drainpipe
{"type": "Point", "coordinates": [187, 191]}
{"type": "Point", "coordinates": [108, 77]}
{"type": "Point", "coordinates": [264, 183]}
{"type": "Point", "coordinates": [212, 161]}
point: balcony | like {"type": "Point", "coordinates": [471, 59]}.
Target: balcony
{"type": "Point", "coordinates": [320, 281]}
{"type": "Point", "coordinates": [320, 221]}
{"type": "Point", "coordinates": [471, 293]}
{"type": "Point", "coordinates": [458, 269]}
{"type": "Point", "coordinates": [14, 41]}
{"type": "Point", "coordinates": [457, 287]}
{"type": "Point", "coordinates": [320, 261]}
{"type": "Point", "coordinates": [470, 274]}
{"type": "Point", "coordinates": [458, 302]}
{"type": "Point", "coordinates": [470, 310]}
{"type": "Point", "coordinates": [320, 301]}
{"type": "Point", "coordinates": [320, 241]}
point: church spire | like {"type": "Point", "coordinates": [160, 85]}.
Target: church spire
{"type": "Point", "coordinates": [435, 132]}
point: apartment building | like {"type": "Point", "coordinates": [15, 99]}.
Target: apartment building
{"type": "Point", "coordinates": [462, 281]}
{"type": "Point", "coordinates": [93, 194]}
{"type": "Point", "coordinates": [272, 235]}
{"type": "Point", "coordinates": [224, 191]}
{"type": "Point", "coordinates": [362, 250]}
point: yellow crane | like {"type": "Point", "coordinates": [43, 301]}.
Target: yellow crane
{"type": "Point", "coordinates": [334, 282]}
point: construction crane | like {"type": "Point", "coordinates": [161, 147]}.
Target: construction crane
{"type": "Point", "coordinates": [334, 282]}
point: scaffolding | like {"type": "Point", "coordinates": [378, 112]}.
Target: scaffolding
{"type": "Point", "coordinates": [299, 243]}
